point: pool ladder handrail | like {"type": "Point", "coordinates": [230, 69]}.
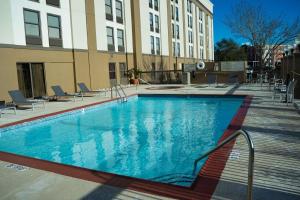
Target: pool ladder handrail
{"type": "Point", "coordinates": [250, 159]}
{"type": "Point", "coordinates": [124, 97]}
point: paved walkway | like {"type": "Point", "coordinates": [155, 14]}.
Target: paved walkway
{"type": "Point", "coordinates": [275, 129]}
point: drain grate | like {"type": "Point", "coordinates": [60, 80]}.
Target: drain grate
{"type": "Point", "coordinates": [19, 168]}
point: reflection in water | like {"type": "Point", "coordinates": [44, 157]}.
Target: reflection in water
{"type": "Point", "coordinates": [145, 138]}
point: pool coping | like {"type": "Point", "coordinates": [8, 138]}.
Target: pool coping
{"type": "Point", "coordinates": [204, 185]}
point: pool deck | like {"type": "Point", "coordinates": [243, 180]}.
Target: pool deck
{"type": "Point", "coordinates": [274, 128]}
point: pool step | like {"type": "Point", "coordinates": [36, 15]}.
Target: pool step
{"type": "Point", "coordinates": [174, 178]}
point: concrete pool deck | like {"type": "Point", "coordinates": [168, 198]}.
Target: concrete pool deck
{"type": "Point", "coordinates": [273, 127]}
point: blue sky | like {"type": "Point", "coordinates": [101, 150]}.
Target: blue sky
{"type": "Point", "coordinates": [290, 9]}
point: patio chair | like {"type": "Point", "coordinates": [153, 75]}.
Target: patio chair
{"type": "Point", "coordinates": [289, 93]}
{"type": "Point", "coordinates": [85, 90]}
{"type": "Point", "coordinates": [59, 93]}
{"type": "Point", "coordinates": [19, 99]}
{"type": "Point", "coordinates": [4, 107]}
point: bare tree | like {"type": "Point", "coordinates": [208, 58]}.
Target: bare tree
{"type": "Point", "coordinates": [251, 22]}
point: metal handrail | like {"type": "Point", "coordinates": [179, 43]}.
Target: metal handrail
{"type": "Point", "coordinates": [142, 80]}
{"type": "Point", "coordinates": [250, 160]}
{"type": "Point", "coordinates": [125, 96]}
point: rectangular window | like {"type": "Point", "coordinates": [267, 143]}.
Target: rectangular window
{"type": "Point", "coordinates": [151, 22]}
{"type": "Point", "coordinates": [54, 30]}
{"type": "Point", "coordinates": [172, 11]}
{"type": "Point", "coordinates": [110, 38]}
{"type": "Point", "coordinates": [158, 46]}
{"type": "Point", "coordinates": [32, 27]}
{"type": "Point", "coordinates": [122, 68]}
{"type": "Point", "coordinates": [177, 31]}
{"type": "Point", "coordinates": [150, 4]}
{"type": "Point", "coordinates": [119, 12]}
{"type": "Point", "coordinates": [173, 31]}
{"type": "Point", "coordinates": [35, 0]}
{"type": "Point", "coordinates": [112, 71]}
{"type": "Point", "coordinates": [191, 51]}
{"type": "Point", "coordinates": [190, 36]}
{"type": "Point", "coordinates": [177, 14]}
{"type": "Point", "coordinates": [120, 34]}
{"type": "Point", "coordinates": [174, 48]}
{"type": "Point", "coordinates": [178, 49]}
{"type": "Point", "coordinates": [152, 44]}
{"type": "Point", "coordinates": [156, 5]}
{"type": "Point", "coordinates": [189, 6]}
{"type": "Point", "coordinates": [108, 10]}
{"type": "Point", "coordinates": [190, 21]}
{"type": "Point", "coordinates": [156, 24]}
{"type": "Point", "coordinates": [55, 3]}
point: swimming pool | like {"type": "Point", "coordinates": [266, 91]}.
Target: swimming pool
{"type": "Point", "coordinates": [150, 137]}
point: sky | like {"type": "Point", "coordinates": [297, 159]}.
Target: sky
{"type": "Point", "coordinates": [290, 9]}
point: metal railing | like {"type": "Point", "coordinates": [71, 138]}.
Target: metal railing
{"type": "Point", "coordinates": [250, 159]}
{"type": "Point", "coordinates": [118, 93]}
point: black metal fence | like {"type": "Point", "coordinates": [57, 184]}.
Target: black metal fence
{"type": "Point", "coordinates": [162, 77]}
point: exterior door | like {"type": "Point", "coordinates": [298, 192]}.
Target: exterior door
{"type": "Point", "coordinates": [31, 79]}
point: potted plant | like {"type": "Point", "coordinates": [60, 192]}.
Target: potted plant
{"type": "Point", "coordinates": [133, 75]}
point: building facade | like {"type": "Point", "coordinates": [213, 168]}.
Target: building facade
{"type": "Point", "coordinates": [64, 42]}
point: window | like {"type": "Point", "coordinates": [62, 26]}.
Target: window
{"type": "Point", "coordinates": [156, 24]}
{"type": "Point", "coordinates": [35, 0]}
{"type": "Point", "coordinates": [32, 27]}
{"type": "Point", "coordinates": [191, 51]}
{"type": "Point", "coordinates": [177, 31]}
{"type": "Point", "coordinates": [150, 4]}
{"type": "Point", "coordinates": [177, 14]}
{"type": "Point", "coordinates": [201, 15]}
{"type": "Point", "coordinates": [201, 40]}
{"type": "Point", "coordinates": [190, 21]}
{"type": "Point", "coordinates": [119, 12]}
{"type": "Point", "coordinates": [112, 71]}
{"type": "Point", "coordinates": [157, 45]}
{"type": "Point", "coordinates": [110, 38]}
{"type": "Point", "coordinates": [152, 44]}
{"type": "Point", "coordinates": [55, 3]}
{"type": "Point", "coordinates": [172, 11]}
{"type": "Point", "coordinates": [122, 68]}
{"type": "Point", "coordinates": [201, 27]}
{"type": "Point", "coordinates": [108, 10]}
{"type": "Point", "coordinates": [151, 21]}
{"type": "Point", "coordinates": [190, 36]}
{"type": "Point", "coordinates": [173, 31]}
{"type": "Point", "coordinates": [174, 48]}
{"type": "Point", "coordinates": [178, 49]}
{"type": "Point", "coordinates": [189, 6]}
{"type": "Point", "coordinates": [54, 30]}
{"type": "Point", "coordinates": [120, 34]}
{"type": "Point", "coordinates": [156, 5]}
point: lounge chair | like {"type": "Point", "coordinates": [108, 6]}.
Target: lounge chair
{"type": "Point", "coordinates": [19, 99]}
{"type": "Point", "coordinates": [59, 93]}
{"type": "Point", "coordinates": [4, 107]}
{"type": "Point", "coordinates": [85, 90]}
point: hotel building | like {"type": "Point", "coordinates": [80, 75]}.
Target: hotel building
{"type": "Point", "coordinates": [64, 42]}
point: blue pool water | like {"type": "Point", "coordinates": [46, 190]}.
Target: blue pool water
{"type": "Point", "coordinates": [153, 138]}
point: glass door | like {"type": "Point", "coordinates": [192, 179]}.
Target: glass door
{"type": "Point", "coordinates": [31, 79]}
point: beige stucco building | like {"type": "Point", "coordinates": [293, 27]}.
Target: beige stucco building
{"type": "Point", "coordinates": [64, 42]}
